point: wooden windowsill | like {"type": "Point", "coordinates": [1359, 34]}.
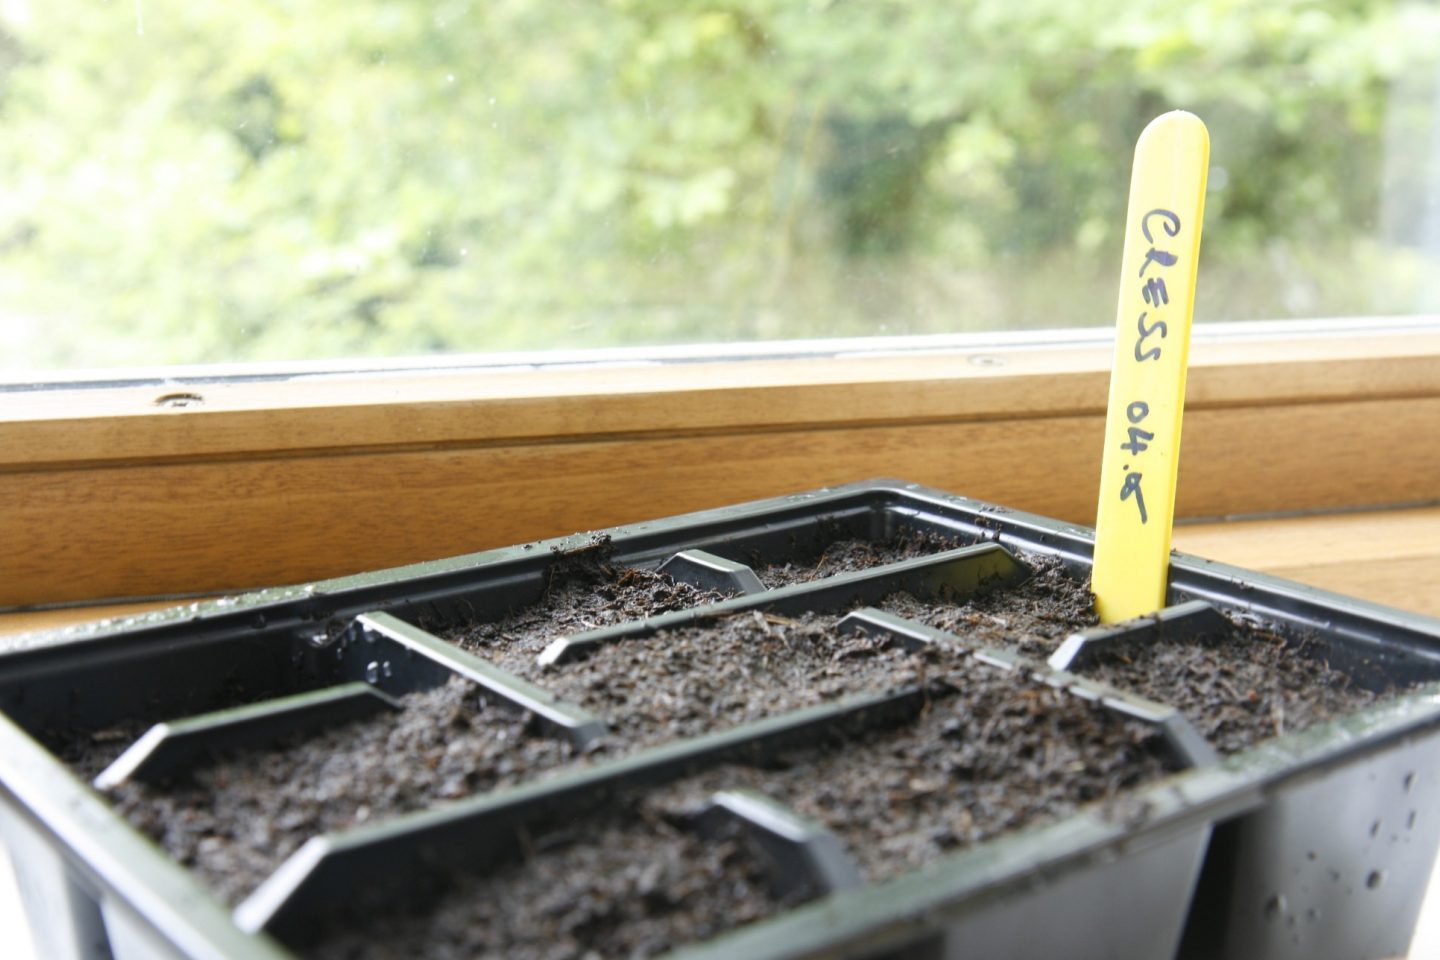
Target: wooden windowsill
{"type": "Point", "coordinates": [106, 495]}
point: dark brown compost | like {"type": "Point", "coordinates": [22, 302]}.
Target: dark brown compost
{"type": "Point", "coordinates": [1238, 687]}
{"type": "Point", "coordinates": [629, 885]}
{"type": "Point", "coordinates": [1032, 619]}
{"type": "Point", "coordinates": [850, 555]}
{"type": "Point", "coordinates": [993, 752]}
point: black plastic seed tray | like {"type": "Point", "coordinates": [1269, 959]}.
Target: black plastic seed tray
{"type": "Point", "coordinates": [1315, 843]}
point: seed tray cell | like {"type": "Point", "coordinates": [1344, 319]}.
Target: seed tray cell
{"type": "Point", "coordinates": [1245, 685]}
{"type": "Point", "coordinates": [624, 882]}
{"type": "Point", "coordinates": [169, 750]}
{"type": "Point", "coordinates": [1242, 684]}
{"type": "Point", "coordinates": [235, 819]}
{"type": "Point", "coordinates": [1032, 618]}
{"type": "Point", "coordinates": [1300, 845]}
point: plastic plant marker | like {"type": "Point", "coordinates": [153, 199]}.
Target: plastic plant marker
{"type": "Point", "coordinates": [1147, 379]}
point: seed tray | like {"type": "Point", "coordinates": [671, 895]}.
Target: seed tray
{"type": "Point", "coordinates": [1322, 839]}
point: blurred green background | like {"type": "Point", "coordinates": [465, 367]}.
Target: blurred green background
{"type": "Point", "coordinates": [279, 179]}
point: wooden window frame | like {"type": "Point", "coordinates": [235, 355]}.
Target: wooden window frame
{"type": "Point", "coordinates": [203, 485]}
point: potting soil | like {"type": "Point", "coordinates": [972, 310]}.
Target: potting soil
{"type": "Point", "coordinates": [994, 751]}
{"type": "Point", "coordinates": [234, 821]}
{"type": "Point", "coordinates": [1033, 618]}
{"type": "Point", "coordinates": [696, 680]}
{"type": "Point", "coordinates": [1238, 687]}
{"type": "Point", "coordinates": [850, 555]}
{"type": "Point", "coordinates": [632, 884]}
{"type": "Point", "coordinates": [583, 592]}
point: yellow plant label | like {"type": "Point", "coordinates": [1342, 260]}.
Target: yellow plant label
{"type": "Point", "coordinates": [1147, 379]}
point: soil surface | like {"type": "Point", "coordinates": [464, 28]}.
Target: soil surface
{"type": "Point", "coordinates": [696, 680]}
{"type": "Point", "coordinates": [847, 556]}
{"type": "Point", "coordinates": [639, 887]}
{"type": "Point", "coordinates": [584, 591]}
{"type": "Point", "coordinates": [996, 753]}
{"type": "Point", "coordinates": [1238, 687]}
{"type": "Point", "coordinates": [234, 821]}
{"type": "Point", "coordinates": [89, 752]}
{"type": "Point", "coordinates": [1032, 619]}
{"type": "Point", "coordinates": [992, 752]}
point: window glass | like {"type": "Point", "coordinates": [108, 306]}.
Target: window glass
{"type": "Point", "coordinates": [190, 182]}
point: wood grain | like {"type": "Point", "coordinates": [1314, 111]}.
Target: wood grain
{"type": "Point", "coordinates": [135, 530]}
{"type": "Point", "coordinates": [62, 429]}
{"type": "Point", "coordinates": [1388, 556]}
{"type": "Point", "coordinates": [102, 495]}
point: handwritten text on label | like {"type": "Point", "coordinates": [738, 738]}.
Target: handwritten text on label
{"type": "Point", "coordinates": [1147, 348]}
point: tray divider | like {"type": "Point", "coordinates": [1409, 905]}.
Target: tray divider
{"type": "Point", "coordinates": [177, 746]}
{"type": "Point", "coordinates": [910, 634]}
{"type": "Point", "coordinates": [707, 571]}
{"type": "Point", "coordinates": [573, 722]}
{"type": "Point", "coordinates": [803, 855]}
{"type": "Point", "coordinates": [1192, 618]}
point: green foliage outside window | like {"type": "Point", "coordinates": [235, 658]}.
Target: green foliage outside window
{"type": "Point", "coordinates": [279, 179]}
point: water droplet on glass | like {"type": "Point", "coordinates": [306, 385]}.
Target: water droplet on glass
{"type": "Point", "coordinates": [1275, 906]}
{"type": "Point", "coordinates": [1375, 879]}
{"type": "Point", "coordinates": [372, 672]}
